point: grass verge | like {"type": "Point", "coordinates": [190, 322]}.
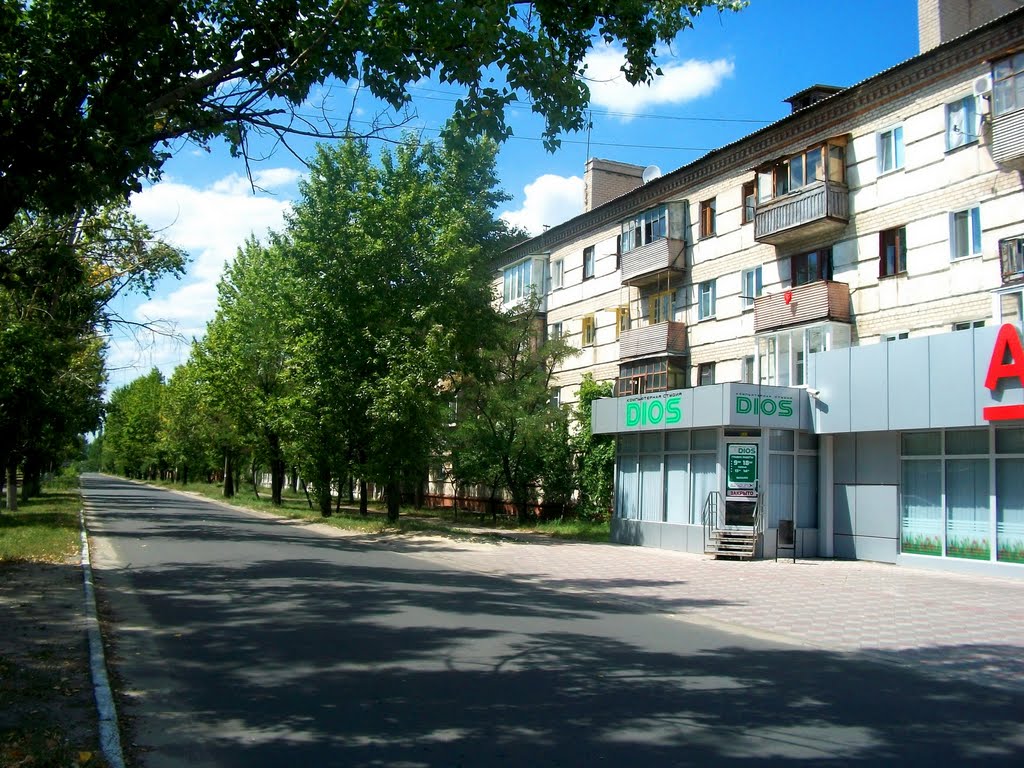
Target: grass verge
{"type": "Point", "coordinates": [41, 530]}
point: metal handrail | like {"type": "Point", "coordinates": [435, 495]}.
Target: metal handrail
{"type": "Point", "coordinates": [709, 514]}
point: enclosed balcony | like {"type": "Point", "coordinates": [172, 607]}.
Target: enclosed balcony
{"type": "Point", "coordinates": [814, 302]}
{"type": "Point", "coordinates": [1011, 260]}
{"type": "Point", "coordinates": [648, 263]}
{"type": "Point", "coordinates": [1008, 112]}
{"type": "Point", "coordinates": [668, 338]}
{"type": "Point", "coordinates": [811, 211]}
{"type": "Point", "coordinates": [803, 196]}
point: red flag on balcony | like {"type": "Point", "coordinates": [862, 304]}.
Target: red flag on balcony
{"type": "Point", "coordinates": [787, 296]}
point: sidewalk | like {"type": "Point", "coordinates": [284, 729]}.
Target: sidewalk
{"type": "Point", "coordinates": [966, 626]}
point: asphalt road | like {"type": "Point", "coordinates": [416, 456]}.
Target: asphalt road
{"type": "Point", "coordinates": [238, 640]}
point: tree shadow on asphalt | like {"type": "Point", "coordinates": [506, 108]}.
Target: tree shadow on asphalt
{"type": "Point", "coordinates": [281, 662]}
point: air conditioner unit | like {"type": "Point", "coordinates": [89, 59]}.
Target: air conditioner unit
{"type": "Point", "coordinates": [983, 85]}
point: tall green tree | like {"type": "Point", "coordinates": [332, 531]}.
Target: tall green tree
{"type": "Point", "coordinates": [507, 421]}
{"type": "Point", "coordinates": [94, 94]}
{"type": "Point", "coordinates": [131, 443]}
{"type": "Point", "coordinates": [247, 350]}
{"type": "Point", "coordinates": [393, 259]}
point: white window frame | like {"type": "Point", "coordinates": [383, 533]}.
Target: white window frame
{"type": "Point", "coordinates": [556, 274]}
{"type": "Point", "coordinates": [555, 330]}
{"type": "Point", "coordinates": [750, 292]}
{"type": "Point", "coordinates": [967, 325]}
{"type": "Point", "coordinates": [707, 289]}
{"type": "Point", "coordinates": [515, 287]}
{"type": "Point", "coordinates": [891, 138]}
{"type": "Point", "coordinates": [974, 246]}
{"type": "Point", "coordinates": [894, 336]}
{"type": "Point", "coordinates": [963, 123]}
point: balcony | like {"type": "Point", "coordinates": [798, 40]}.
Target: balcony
{"type": "Point", "coordinates": [810, 211]}
{"type": "Point", "coordinates": [668, 338]}
{"type": "Point", "coordinates": [814, 302]}
{"type": "Point", "coordinates": [1011, 260]}
{"type": "Point", "coordinates": [1008, 140]}
{"type": "Point", "coordinates": [648, 262]}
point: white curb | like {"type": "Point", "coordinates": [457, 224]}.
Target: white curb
{"type": "Point", "coordinates": [110, 738]}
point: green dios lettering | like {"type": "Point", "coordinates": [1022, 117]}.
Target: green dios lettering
{"type": "Point", "coordinates": [766, 406]}
{"type": "Point", "coordinates": [653, 412]}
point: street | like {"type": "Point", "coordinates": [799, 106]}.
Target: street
{"type": "Point", "coordinates": [242, 640]}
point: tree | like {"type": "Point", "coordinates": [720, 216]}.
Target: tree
{"type": "Point", "coordinates": [246, 353]}
{"type": "Point", "coordinates": [95, 94]}
{"type": "Point", "coordinates": [595, 454]}
{"type": "Point", "coordinates": [393, 260]}
{"type": "Point", "coordinates": [507, 421]}
{"type": "Point", "coordinates": [131, 432]}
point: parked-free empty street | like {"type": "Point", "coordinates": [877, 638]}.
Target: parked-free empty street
{"type": "Point", "coordinates": [238, 639]}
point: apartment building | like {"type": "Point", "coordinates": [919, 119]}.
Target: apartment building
{"type": "Point", "coordinates": [814, 331]}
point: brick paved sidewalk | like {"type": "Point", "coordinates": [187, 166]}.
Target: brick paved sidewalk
{"type": "Point", "coordinates": [965, 626]}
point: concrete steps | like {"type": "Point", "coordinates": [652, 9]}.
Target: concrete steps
{"type": "Point", "coordinates": [732, 542]}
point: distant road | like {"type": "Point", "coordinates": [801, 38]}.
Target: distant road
{"type": "Point", "coordinates": [239, 640]}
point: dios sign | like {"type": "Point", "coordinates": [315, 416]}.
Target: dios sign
{"type": "Point", "coordinates": [766, 406]}
{"type": "Point", "coordinates": [1007, 363]}
{"type": "Point", "coordinates": [652, 413]}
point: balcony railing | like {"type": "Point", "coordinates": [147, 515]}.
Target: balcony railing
{"type": "Point", "coordinates": [810, 211]}
{"type": "Point", "coordinates": [647, 262]}
{"type": "Point", "coordinates": [814, 302]}
{"type": "Point", "coordinates": [1011, 259]}
{"type": "Point", "coordinates": [667, 338]}
{"type": "Point", "coordinates": [1008, 140]}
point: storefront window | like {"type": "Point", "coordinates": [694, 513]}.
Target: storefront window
{"type": "Point", "coordinates": [669, 485]}
{"type": "Point", "coordinates": [947, 494]}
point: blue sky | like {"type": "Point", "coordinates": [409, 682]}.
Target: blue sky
{"type": "Point", "coordinates": [723, 79]}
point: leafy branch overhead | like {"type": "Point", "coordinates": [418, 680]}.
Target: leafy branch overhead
{"type": "Point", "coordinates": [93, 94]}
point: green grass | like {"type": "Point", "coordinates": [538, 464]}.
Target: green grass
{"type": "Point", "coordinates": [44, 529]}
{"type": "Point", "coordinates": [411, 520]}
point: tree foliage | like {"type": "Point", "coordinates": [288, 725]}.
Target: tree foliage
{"type": "Point", "coordinates": [93, 94]}
{"type": "Point", "coordinates": [595, 454]}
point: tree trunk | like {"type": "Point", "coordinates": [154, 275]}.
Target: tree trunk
{"type": "Point", "coordinates": [351, 489]}
{"type": "Point", "coordinates": [363, 507]}
{"type": "Point", "coordinates": [294, 479]}
{"type": "Point", "coordinates": [323, 488]}
{"type": "Point", "coordinates": [255, 483]}
{"type": "Point", "coordinates": [393, 490]}
{"type": "Point", "coordinates": [12, 485]}
{"type": "Point", "coordinates": [277, 469]}
{"type": "Point", "coordinates": [229, 476]}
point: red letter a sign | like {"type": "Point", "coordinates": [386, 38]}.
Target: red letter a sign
{"type": "Point", "coordinates": [1007, 344]}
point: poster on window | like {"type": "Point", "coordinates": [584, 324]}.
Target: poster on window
{"type": "Point", "coordinates": [741, 472]}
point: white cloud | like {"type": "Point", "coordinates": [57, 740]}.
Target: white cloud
{"type": "Point", "coordinates": [680, 81]}
{"type": "Point", "coordinates": [210, 223]}
{"type": "Point", "coordinates": [547, 201]}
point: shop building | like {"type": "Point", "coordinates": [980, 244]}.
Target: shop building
{"type": "Point", "coordinates": [814, 305]}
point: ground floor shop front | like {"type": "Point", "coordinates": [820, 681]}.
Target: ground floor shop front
{"type": "Point", "coordinates": [909, 452]}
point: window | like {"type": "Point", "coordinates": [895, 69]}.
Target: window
{"type": "Point", "coordinates": [644, 228]}
{"type": "Point", "coordinates": [555, 331]}
{"type": "Point", "coordinates": [621, 320]}
{"type": "Point", "coordinates": [751, 286]}
{"type": "Point", "coordinates": [556, 272]}
{"type": "Point", "coordinates": [707, 218]}
{"type": "Point", "coordinates": [749, 199]}
{"type": "Point", "coordinates": [1008, 84]}
{"type": "Point", "coordinates": [810, 267]}
{"type": "Point", "coordinates": [589, 333]}
{"type": "Point", "coordinates": [820, 163]}
{"type": "Point", "coordinates": [962, 125]}
{"type": "Point", "coordinates": [659, 307]}
{"type": "Point", "coordinates": [892, 252]}
{"type": "Point", "coordinates": [968, 325]}
{"type": "Point", "coordinates": [518, 281]}
{"type": "Point", "coordinates": [705, 374]}
{"type": "Point", "coordinates": [588, 262]}
{"type": "Point", "coordinates": [706, 300]}
{"type": "Point", "coordinates": [747, 370]}
{"type": "Point", "coordinates": [890, 149]}
{"type": "Point", "coordinates": [652, 376]}
{"type": "Point", "coordinates": [898, 336]}
{"type": "Point", "coordinates": [555, 396]}
{"type": "Point", "coordinates": [782, 356]}
{"type": "Point", "coordinates": [965, 233]}
{"type": "Point", "coordinates": [618, 251]}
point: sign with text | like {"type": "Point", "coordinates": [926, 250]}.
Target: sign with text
{"type": "Point", "coordinates": [741, 472]}
{"type": "Point", "coordinates": [1006, 363]}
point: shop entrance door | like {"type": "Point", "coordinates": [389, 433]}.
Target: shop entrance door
{"type": "Point", "coordinates": [742, 480]}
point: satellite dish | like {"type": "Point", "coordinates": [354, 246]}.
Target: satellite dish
{"type": "Point", "coordinates": [651, 172]}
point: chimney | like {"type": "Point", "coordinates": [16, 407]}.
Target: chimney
{"type": "Point", "coordinates": [605, 180]}
{"type": "Point", "coordinates": [939, 21]}
{"type": "Point", "coordinates": [811, 95]}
